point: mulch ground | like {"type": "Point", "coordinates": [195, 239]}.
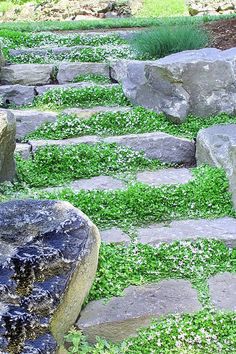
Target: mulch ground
{"type": "Point", "coordinates": [223, 33]}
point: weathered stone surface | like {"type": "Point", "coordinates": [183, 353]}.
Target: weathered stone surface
{"type": "Point", "coordinates": [165, 176]}
{"type": "Point", "coordinates": [27, 74]}
{"type": "Point", "coordinates": [223, 229]}
{"type": "Point", "coordinates": [97, 183]}
{"type": "Point", "coordinates": [49, 252]}
{"type": "Point", "coordinates": [7, 145]}
{"type": "Point", "coordinates": [24, 150]}
{"type": "Point", "coordinates": [68, 71]}
{"type": "Point", "coordinates": [17, 94]}
{"type": "Point", "coordinates": [222, 291]}
{"type": "Point", "coordinates": [114, 235]}
{"type": "Point", "coordinates": [123, 316]}
{"type": "Point", "coordinates": [88, 112]}
{"type": "Point", "coordinates": [217, 146]}
{"type": "Point", "coordinates": [200, 82]}
{"type": "Point", "coordinates": [162, 146]}
{"type": "Point", "coordinates": [46, 50]}
{"type": "Point", "coordinates": [28, 121]}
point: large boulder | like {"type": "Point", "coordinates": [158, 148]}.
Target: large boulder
{"type": "Point", "coordinates": [7, 145]}
{"type": "Point", "coordinates": [27, 74]}
{"type": "Point", "coordinates": [49, 253]}
{"type": "Point", "coordinates": [216, 146]}
{"type": "Point", "coordinates": [17, 95]}
{"type": "Point", "coordinates": [199, 82]}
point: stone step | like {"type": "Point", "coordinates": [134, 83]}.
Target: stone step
{"type": "Point", "coordinates": [161, 146]}
{"type": "Point", "coordinates": [222, 229]}
{"type": "Point", "coordinates": [86, 113]}
{"type": "Point", "coordinates": [20, 95]}
{"type": "Point", "coordinates": [45, 74]}
{"type": "Point", "coordinates": [165, 176]}
{"type": "Point", "coordinates": [222, 289]}
{"type": "Point", "coordinates": [45, 51]}
{"type": "Point", "coordinates": [121, 317]}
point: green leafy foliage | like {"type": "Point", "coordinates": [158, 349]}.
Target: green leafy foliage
{"type": "Point", "coordinates": [95, 78]}
{"type": "Point", "coordinates": [159, 8]}
{"type": "Point", "coordinates": [138, 120]}
{"type": "Point", "coordinates": [82, 97]}
{"type": "Point", "coordinates": [205, 332]}
{"type": "Point", "coordinates": [205, 196]}
{"type": "Point", "coordinates": [55, 165]}
{"type": "Point", "coordinates": [165, 40]}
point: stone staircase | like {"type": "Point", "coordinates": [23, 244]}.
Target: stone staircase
{"type": "Point", "coordinates": [122, 316]}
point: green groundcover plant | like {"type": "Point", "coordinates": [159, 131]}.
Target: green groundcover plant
{"type": "Point", "coordinates": [138, 120]}
{"type": "Point", "coordinates": [59, 98]}
{"type": "Point", "coordinates": [205, 196]}
{"type": "Point", "coordinates": [166, 39]}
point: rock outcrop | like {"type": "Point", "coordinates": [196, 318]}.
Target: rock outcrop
{"type": "Point", "coordinates": [211, 7]}
{"type": "Point", "coordinates": [7, 145]}
{"type": "Point", "coordinates": [200, 82]}
{"type": "Point", "coordinates": [49, 253]}
{"type": "Point", "coordinates": [216, 146]}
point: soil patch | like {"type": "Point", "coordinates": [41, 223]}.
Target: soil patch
{"type": "Point", "coordinates": [223, 33]}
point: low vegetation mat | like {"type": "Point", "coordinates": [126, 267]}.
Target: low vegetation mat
{"type": "Point", "coordinates": [138, 120]}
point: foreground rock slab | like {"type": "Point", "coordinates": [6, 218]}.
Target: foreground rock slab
{"type": "Point", "coordinates": [216, 146]}
{"type": "Point", "coordinates": [49, 253]}
{"type": "Point", "coordinates": [17, 95]}
{"type": "Point", "coordinates": [121, 317]}
{"type": "Point", "coordinates": [7, 145]}
{"type": "Point", "coordinates": [222, 291]}
{"type": "Point", "coordinates": [199, 82]}
{"type": "Point", "coordinates": [223, 229]}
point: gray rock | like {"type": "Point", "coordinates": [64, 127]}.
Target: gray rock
{"type": "Point", "coordinates": [17, 94]}
{"type": "Point", "coordinates": [216, 146]}
{"type": "Point", "coordinates": [24, 150]}
{"type": "Point", "coordinates": [223, 229]}
{"type": "Point", "coordinates": [68, 71]}
{"type": "Point", "coordinates": [222, 291]}
{"type": "Point", "coordinates": [88, 112]}
{"type": "Point", "coordinates": [97, 183]}
{"type": "Point", "coordinates": [165, 176]}
{"type": "Point", "coordinates": [7, 146]}
{"type": "Point", "coordinates": [161, 146]}
{"type": "Point", "coordinates": [200, 82]}
{"type": "Point", "coordinates": [114, 235]}
{"type": "Point", "coordinates": [49, 253]}
{"type": "Point", "coordinates": [46, 50]}
{"type": "Point", "coordinates": [28, 121]}
{"type": "Point", "coordinates": [121, 317]}
{"type": "Point", "coordinates": [27, 74]}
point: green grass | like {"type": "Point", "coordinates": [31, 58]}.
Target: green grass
{"type": "Point", "coordinates": [55, 165]}
{"type": "Point", "coordinates": [138, 120]}
{"type": "Point", "coordinates": [205, 332]}
{"type": "Point", "coordinates": [166, 40]}
{"type": "Point", "coordinates": [81, 97]}
{"type": "Point", "coordinates": [5, 6]}
{"type": "Point", "coordinates": [160, 8]}
{"type": "Point", "coordinates": [95, 78]}
{"type": "Point", "coordinates": [104, 23]}
{"type": "Point", "coordinates": [206, 196]}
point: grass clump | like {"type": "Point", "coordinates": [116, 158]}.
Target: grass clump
{"type": "Point", "coordinates": [205, 332]}
{"type": "Point", "coordinates": [138, 120]}
{"type": "Point", "coordinates": [55, 165]}
{"type": "Point", "coordinates": [166, 39]}
{"type": "Point", "coordinates": [205, 196]}
{"type": "Point", "coordinates": [81, 97]}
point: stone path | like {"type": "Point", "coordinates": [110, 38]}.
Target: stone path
{"type": "Point", "coordinates": [121, 316]}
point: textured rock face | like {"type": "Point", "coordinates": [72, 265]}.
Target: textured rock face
{"type": "Point", "coordinates": [216, 146]}
{"type": "Point", "coordinates": [201, 82]}
{"type": "Point", "coordinates": [49, 253]}
{"type": "Point", "coordinates": [212, 7]}
{"type": "Point", "coordinates": [27, 74]}
{"type": "Point", "coordinates": [68, 71]}
{"type": "Point", "coordinates": [123, 316]}
{"type": "Point", "coordinates": [222, 291]}
{"type": "Point", "coordinates": [7, 145]}
{"type": "Point", "coordinates": [17, 94]}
